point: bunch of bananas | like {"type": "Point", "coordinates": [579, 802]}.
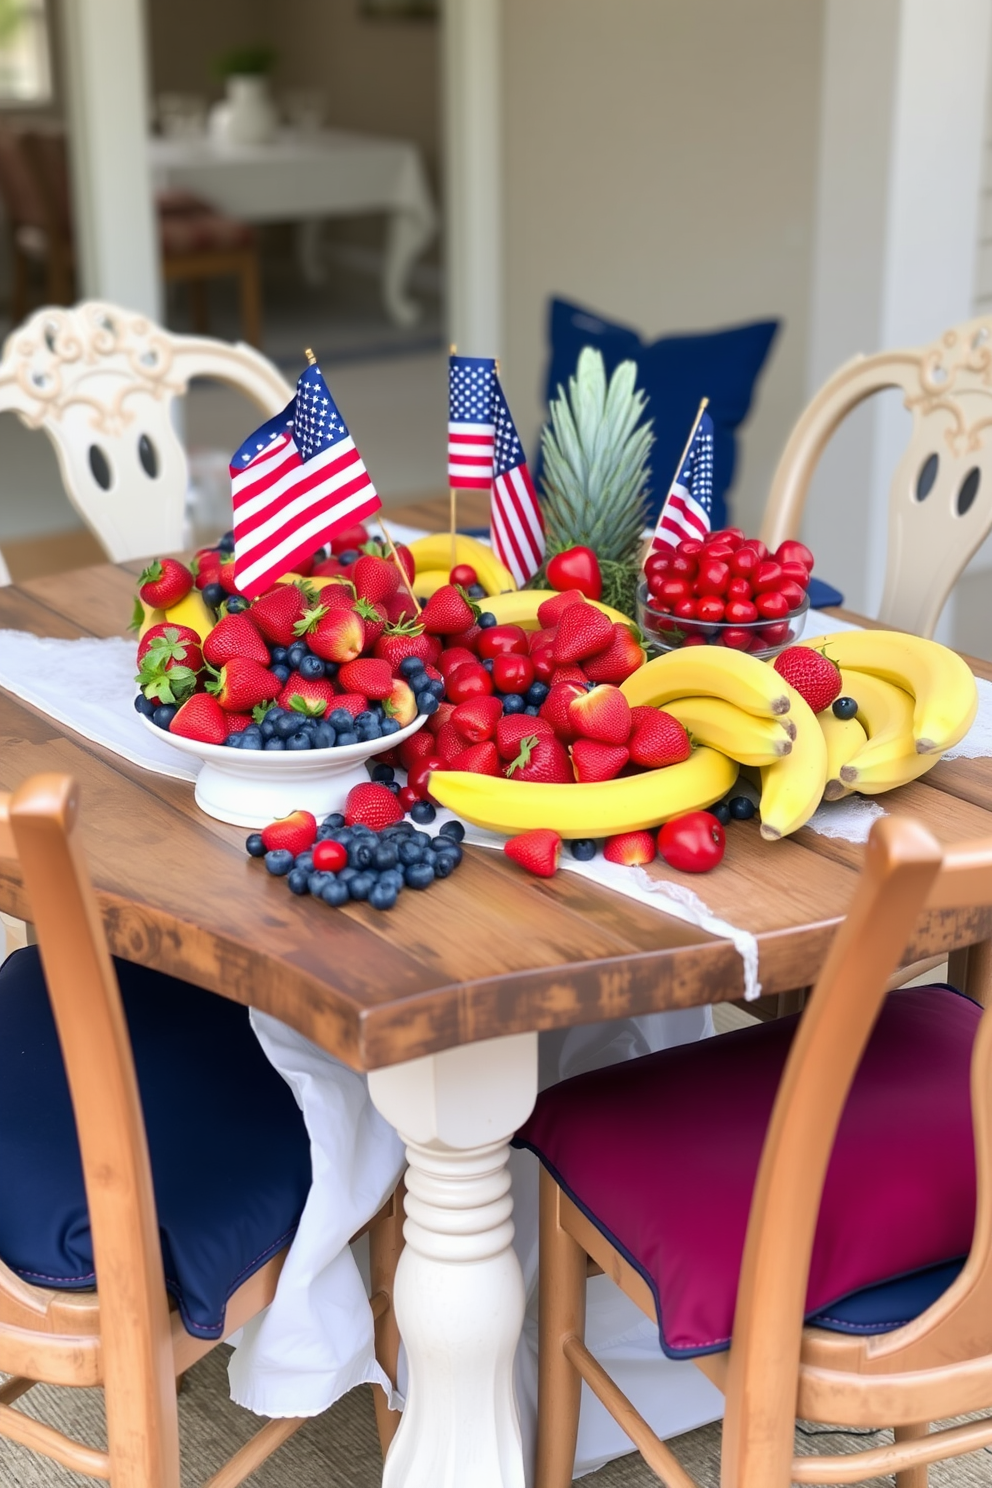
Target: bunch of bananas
{"type": "Point", "coordinates": [521, 606]}
{"type": "Point", "coordinates": [432, 555]}
{"type": "Point", "coordinates": [190, 611]}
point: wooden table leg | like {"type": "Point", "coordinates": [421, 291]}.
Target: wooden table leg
{"type": "Point", "coordinates": [459, 1295]}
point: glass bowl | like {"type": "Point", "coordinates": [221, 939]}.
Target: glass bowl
{"type": "Point", "coordinates": [760, 638]}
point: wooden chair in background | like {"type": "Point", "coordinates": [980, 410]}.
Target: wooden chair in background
{"type": "Point", "coordinates": [916, 1349]}
{"type": "Point", "coordinates": [123, 1336]}
{"type": "Point", "coordinates": [940, 499]}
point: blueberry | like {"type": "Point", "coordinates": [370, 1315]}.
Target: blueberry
{"type": "Point", "coordinates": [296, 653]}
{"type": "Point", "coordinates": [410, 852]}
{"type": "Point", "coordinates": [741, 808]}
{"type": "Point", "coordinates": [385, 773]}
{"type": "Point", "coordinates": [346, 737]}
{"type": "Point", "coordinates": [488, 663]}
{"type": "Point", "coordinates": [335, 893]}
{"type": "Point", "coordinates": [323, 737]}
{"type": "Point", "coordinates": [445, 848]}
{"type": "Point", "coordinates": [582, 849]}
{"type": "Point", "coordinates": [359, 829]}
{"type": "Point", "coordinates": [531, 711]}
{"type": "Point", "coordinates": [361, 885]}
{"type": "Point", "coordinates": [361, 854]}
{"type": "Point", "coordinates": [392, 876]}
{"type": "Point", "coordinates": [298, 881]}
{"type": "Point", "coordinates": [317, 880]}
{"type": "Point", "coordinates": [487, 619]}
{"type": "Point", "coordinates": [454, 830]}
{"type": "Point", "coordinates": [536, 693]}
{"type": "Point", "coordinates": [362, 720]}
{"type": "Point", "coordinates": [287, 725]}
{"type": "Point", "coordinates": [164, 715]}
{"type": "Point", "coordinates": [278, 655]}
{"type": "Point", "coordinates": [233, 741]}
{"type": "Point", "coordinates": [251, 741]}
{"type": "Point", "coordinates": [145, 705]}
{"type": "Point", "coordinates": [513, 703]}
{"type": "Point", "coordinates": [305, 860]}
{"type": "Point", "coordinates": [382, 896]}
{"type": "Point", "coordinates": [267, 730]}
{"type": "Point", "coordinates": [279, 861]}
{"type": "Point", "coordinates": [476, 591]}
{"type": "Point", "coordinates": [226, 544]}
{"type": "Point", "coordinates": [845, 707]}
{"type": "Point", "coordinates": [236, 604]}
{"type": "Point", "coordinates": [214, 595]}
{"type": "Point", "coordinates": [280, 672]}
{"type": "Point", "coordinates": [410, 665]}
{"type": "Point", "coordinates": [721, 811]}
{"type": "Point", "coordinates": [424, 838]}
{"type": "Point", "coordinates": [369, 731]}
{"type": "Point", "coordinates": [335, 820]}
{"type": "Point", "coordinates": [444, 864]}
{"type": "Point", "coordinates": [274, 743]}
{"type": "Point", "coordinates": [427, 703]}
{"type": "Point", "coordinates": [273, 713]}
{"type": "Point", "coordinates": [347, 874]}
{"type": "Point", "coordinates": [254, 845]}
{"type": "Point", "coordinates": [311, 667]}
{"type": "Point", "coordinates": [385, 856]}
{"type": "Point", "coordinates": [331, 670]}
{"type": "Point", "coordinates": [298, 741]}
{"type": "Point", "coordinates": [422, 812]}
{"type": "Point", "coordinates": [389, 726]}
{"type": "Point", "coordinates": [351, 556]}
{"type": "Point", "coordinates": [419, 875]}
{"type": "Point", "coordinates": [340, 719]}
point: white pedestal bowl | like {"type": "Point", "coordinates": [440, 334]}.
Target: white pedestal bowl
{"type": "Point", "coordinates": [252, 787]}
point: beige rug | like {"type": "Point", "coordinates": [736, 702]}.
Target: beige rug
{"type": "Point", "coordinates": [341, 1449]}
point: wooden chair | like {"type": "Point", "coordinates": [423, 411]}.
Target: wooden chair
{"type": "Point", "coordinates": [101, 382]}
{"type": "Point", "coordinates": [940, 499]}
{"type": "Point", "coordinates": [122, 1336]}
{"type": "Point", "coordinates": [923, 1353]}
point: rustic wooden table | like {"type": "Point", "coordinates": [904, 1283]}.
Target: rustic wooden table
{"type": "Point", "coordinates": [442, 1008]}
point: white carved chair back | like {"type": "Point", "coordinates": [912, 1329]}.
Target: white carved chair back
{"type": "Point", "coordinates": [940, 499]}
{"type": "Point", "coordinates": [101, 382]}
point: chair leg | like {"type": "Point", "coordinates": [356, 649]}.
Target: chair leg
{"type": "Point", "coordinates": [19, 286]}
{"type": "Point", "coordinates": [251, 298]}
{"type": "Point", "coordinates": [198, 306]}
{"type": "Point", "coordinates": [562, 1301]}
{"type": "Point", "coordinates": [913, 1477]}
{"type": "Point", "coordinates": [385, 1245]}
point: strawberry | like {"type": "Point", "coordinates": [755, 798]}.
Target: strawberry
{"type": "Point", "coordinates": [235, 722]}
{"type": "Point", "coordinates": [567, 673]}
{"type": "Point", "coordinates": [401, 610]}
{"type": "Point", "coordinates": [543, 658]}
{"type": "Point", "coordinates": [165, 582]}
{"type": "Point", "coordinates": [350, 538]}
{"type": "Point", "coordinates": [477, 719]}
{"type": "Point", "coordinates": [375, 579]}
{"type": "Point", "coordinates": [630, 848]}
{"type": "Point", "coordinates": [516, 726]}
{"type": "Point", "coordinates": [314, 697]}
{"type": "Point", "coordinates": [367, 674]}
{"type": "Point", "coordinates": [657, 739]}
{"type": "Point", "coordinates": [225, 576]}
{"type": "Point", "coordinates": [235, 635]}
{"type": "Point", "coordinates": [169, 668]}
{"type": "Point", "coordinates": [814, 676]}
{"type": "Point", "coordinates": [277, 614]}
{"type": "Point", "coordinates": [373, 618]}
{"type": "Point", "coordinates": [538, 639]}
{"type": "Point", "coordinates": [380, 549]}
{"type": "Point", "coordinates": [352, 702]}
{"type": "Point", "coordinates": [241, 684]}
{"type": "Point", "coordinates": [467, 638]}
{"type": "Point", "coordinates": [442, 716]}
{"type": "Point", "coordinates": [174, 633]}
{"type": "Point", "coordinates": [454, 656]}
{"type": "Point", "coordinates": [407, 561]}
{"type": "Point", "coordinates": [602, 714]}
{"type": "Point", "coordinates": [551, 610]}
{"type": "Point", "coordinates": [541, 758]}
{"type": "Point", "coordinates": [401, 702]}
{"type": "Point", "coordinates": [200, 717]}
{"type": "Point", "coordinates": [537, 851]}
{"type": "Point", "coordinates": [295, 833]}
{"type": "Point", "coordinates": [582, 631]}
{"type": "Point", "coordinates": [372, 805]}
{"type": "Point", "coordinates": [448, 742]}
{"type": "Point", "coordinates": [595, 761]}
{"type": "Point", "coordinates": [417, 747]}
{"type": "Point", "coordinates": [400, 641]}
{"type": "Point", "coordinates": [336, 596]}
{"type": "Point", "coordinates": [619, 660]}
{"type": "Point", "coordinates": [479, 759]}
{"type": "Point", "coordinates": [334, 635]}
{"type": "Point", "coordinates": [448, 611]}
{"type": "Point", "coordinates": [327, 568]}
{"type": "Point", "coordinates": [207, 570]}
{"type": "Point", "coordinates": [555, 708]}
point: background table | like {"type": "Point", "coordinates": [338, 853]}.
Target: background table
{"type": "Point", "coordinates": [306, 178]}
{"type": "Point", "coordinates": [441, 999]}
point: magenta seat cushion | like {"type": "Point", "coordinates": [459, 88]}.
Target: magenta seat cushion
{"type": "Point", "coordinates": [662, 1154]}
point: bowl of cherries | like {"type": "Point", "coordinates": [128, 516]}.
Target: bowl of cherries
{"type": "Point", "coordinates": [725, 590]}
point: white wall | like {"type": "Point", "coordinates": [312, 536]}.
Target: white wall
{"type": "Point", "coordinates": [659, 160]}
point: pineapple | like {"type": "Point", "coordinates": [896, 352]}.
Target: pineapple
{"type": "Point", "coordinates": [596, 471]}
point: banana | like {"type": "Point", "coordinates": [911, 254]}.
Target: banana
{"type": "Point", "coordinates": [940, 682]}
{"type": "Point", "coordinates": [792, 788]}
{"type": "Point", "coordinates": [741, 736]}
{"type": "Point", "coordinates": [520, 608]}
{"type": "Point", "coordinates": [889, 758]}
{"type": "Point", "coordinates": [190, 611]}
{"type": "Point", "coordinates": [434, 552]}
{"type": "Point", "coordinates": [710, 671]}
{"type": "Point", "coordinates": [429, 579]}
{"type": "Point", "coordinates": [622, 805]}
{"type": "Point", "coordinates": [844, 737]}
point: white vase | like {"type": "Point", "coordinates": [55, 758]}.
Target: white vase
{"type": "Point", "coordinates": [247, 116]}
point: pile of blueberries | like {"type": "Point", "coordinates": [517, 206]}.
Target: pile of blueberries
{"type": "Point", "coordinates": [282, 728]}
{"type": "Point", "coordinates": [733, 808]}
{"type": "Point", "coordinates": [380, 864]}
{"type": "Point", "coordinates": [429, 691]}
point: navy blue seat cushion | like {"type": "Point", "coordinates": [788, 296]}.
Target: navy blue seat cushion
{"type": "Point", "coordinates": [229, 1149]}
{"type": "Point", "coordinates": [674, 372]}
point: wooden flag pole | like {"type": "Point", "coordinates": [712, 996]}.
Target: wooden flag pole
{"type": "Point", "coordinates": [452, 496]}
{"type": "Point", "coordinates": [398, 561]}
{"type": "Point", "coordinates": [308, 353]}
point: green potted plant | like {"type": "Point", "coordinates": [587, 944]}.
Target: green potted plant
{"type": "Point", "coordinates": [247, 116]}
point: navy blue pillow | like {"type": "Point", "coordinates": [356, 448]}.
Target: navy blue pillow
{"type": "Point", "coordinates": [675, 373]}
{"type": "Point", "coordinates": [229, 1149]}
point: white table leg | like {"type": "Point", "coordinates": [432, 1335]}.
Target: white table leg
{"type": "Point", "coordinates": [407, 233]}
{"type": "Point", "coordinates": [310, 257]}
{"type": "Point", "coordinates": [459, 1293]}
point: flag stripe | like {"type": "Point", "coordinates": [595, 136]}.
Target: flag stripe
{"type": "Point", "coordinates": [303, 538]}
{"type": "Point", "coordinates": [267, 521]}
{"type": "Point", "coordinates": [324, 497]}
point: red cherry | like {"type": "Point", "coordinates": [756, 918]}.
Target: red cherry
{"type": "Point", "coordinates": [330, 856]}
{"type": "Point", "coordinates": [772, 605]}
{"type": "Point", "coordinates": [684, 567]}
{"type": "Point", "coordinates": [710, 609]}
{"type": "Point", "coordinates": [737, 640]}
{"type": "Point", "coordinates": [740, 612]}
{"type": "Point", "coordinates": [793, 594]}
{"type": "Point", "coordinates": [793, 551]}
{"type": "Point", "coordinates": [407, 797]}
{"type": "Point", "coordinates": [686, 609]}
{"type": "Point", "coordinates": [672, 590]}
{"type": "Point", "coordinates": [735, 535]}
{"type": "Point", "coordinates": [774, 635]}
{"type": "Point", "coordinates": [744, 562]}
{"type": "Point", "coordinates": [719, 550]}
{"type": "Point", "coordinates": [714, 576]}
{"type": "Point", "coordinates": [756, 546]}
{"type": "Point", "coordinates": [419, 777]}
{"type": "Point", "coordinates": [512, 673]}
{"type": "Point", "coordinates": [464, 574]}
{"type": "Point", "coordinates": [655, 582]}
{"type": "Point", "coordinates": [767, 576]}
{"type": "Point", "coordinates": [657, 563]}
{"type": "Point", "coordinates": [468, 681]}
{"type": "Point", "coordinates": [693, 640]}
{"type": "Point", "coordinates": [738, 589]}
{"type": "Point", "coordinates": [797, 572]}
{"type": "Point", "coordinates": [499, 639]}
{"type": "Point", "coordinates": [689, 547]}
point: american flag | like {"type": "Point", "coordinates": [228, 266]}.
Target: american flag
{"type": "Point", "coordinates": [516, 524]}
{"type": "Point", "coordinates": [295, 482]}
{"type": "Point", "coordinates": [470, 422]}
{"type": "Point", "coordinates": [688, 507]}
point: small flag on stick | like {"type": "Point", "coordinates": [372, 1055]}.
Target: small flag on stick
{"type": "Point", "coordinates": [295, 482]}
{"type": "Point", "coordinates": [688, 508]}
{"type": "Point", "coordinates": [470, 422]}
{"type": "Point", "coordinates": [516, 523]}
